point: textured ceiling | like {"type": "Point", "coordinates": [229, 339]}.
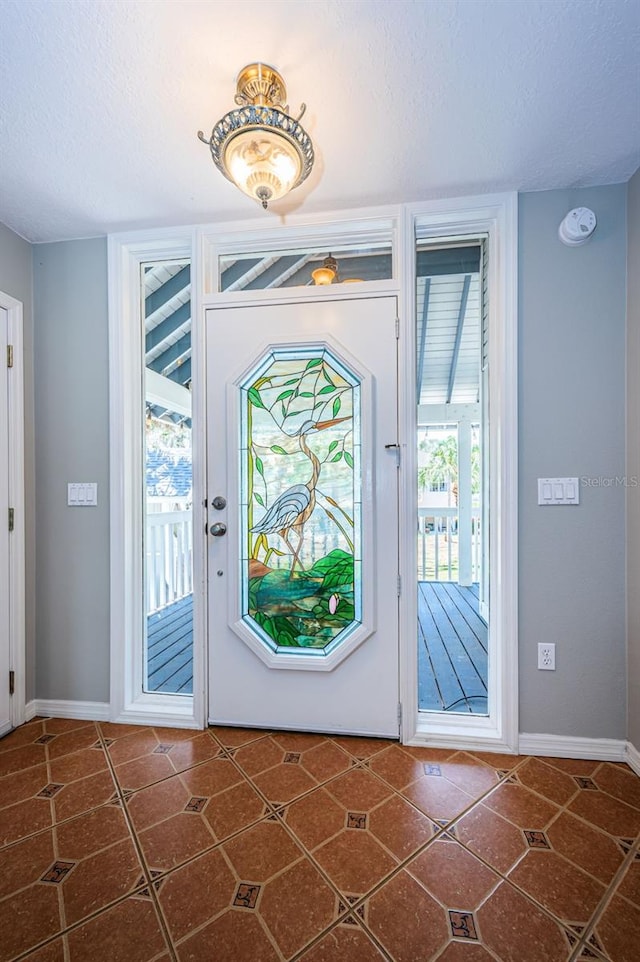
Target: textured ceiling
{"type": "Point", "coordinates": [100, 101]}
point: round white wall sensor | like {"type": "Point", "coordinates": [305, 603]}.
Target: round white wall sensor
{"type": "Point", "coordinates": [577, 227]}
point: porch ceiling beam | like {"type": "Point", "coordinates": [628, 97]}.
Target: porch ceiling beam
{"type": "Point", "coordinates": [296, 268]}
{"type": "Point", "coordinates": [158, 334]}
{"type": "Point", "coordinates": [423, 337]}
{"type": "Point", "coordinates": [448, 413]}
{"type": "Point", "coordinates": [173, 286]}
{"type": "Point", "coordinates": [173, 352]}
{"type": "Point", "coordinates": [235, 271]}
{"type": "Point", "coordinates": [182, 373]}
{"type": "Point", "coordinates": [456, 347]}
{"type": "Point", "coordinates": [163, 392]}
{"type": "Point", "coordinates": [272, 273]}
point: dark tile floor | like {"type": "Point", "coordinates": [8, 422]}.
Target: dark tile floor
{"type": "Point", "coordinates": [129, 844]}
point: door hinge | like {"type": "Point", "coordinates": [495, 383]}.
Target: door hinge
{"type": "Point", "coordinates": [399, 713]}
{"type": "Point", "coordinates": [11, 518]}
{"type": "Point", "coordinates": [12, 682]}
{"type": "Point", "coordinates": [397, 328]}
{"type": "Point", "coordinates": [9, 355]}
{"type": "Point", "coordinates": [399, 585]}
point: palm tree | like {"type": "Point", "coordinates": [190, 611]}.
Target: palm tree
{"type": "Point", "coordinates": [442, 465]}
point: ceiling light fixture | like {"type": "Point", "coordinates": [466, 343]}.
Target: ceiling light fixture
{"type": "Point", "coordinates": [327, 273]}
{"type": "Point", "coordinates": [259, 147]}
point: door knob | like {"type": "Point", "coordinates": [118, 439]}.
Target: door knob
{"type": "Point", "coordinates": [218, 529]}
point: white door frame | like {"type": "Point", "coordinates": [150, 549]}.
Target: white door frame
{"type": "Point", "coordinates": [493, 216]}
{"type": "Point", "coordinates": [128, 702]}
{"type": "Point", "coordinates": [17, 595]}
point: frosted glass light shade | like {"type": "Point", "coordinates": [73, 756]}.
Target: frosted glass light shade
{"type": "Point", "coordinates": [263, 164]}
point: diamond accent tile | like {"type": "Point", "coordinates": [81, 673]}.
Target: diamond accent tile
{"type": "Point", "coordinates": [356, 820]}
{"type": "Point", "coordinates": [145, 893]}
{"type": "Point", "coordinates": [58, 872]}
{"type": "Point", "coordinates": [44, 739]}
{"type": "Point", "coordinates": [344, 907]}
{"type": "Point", "coordinates": [536, 839]}
{"type": "Point", "coordinates": [586, 783]}
{"type": "Point", "coordinates": [586, 952]}
{"type": "Point", "coordinates": [450, 835]}
{"type": "Point", "coordinates": [196, 804]}
{"type": "Point", "coordinates": [349, 920]}
{"type": "Point", "coordinates": [50, 790]}
{"type": "Point", "coordinates": [626, 844]}
{"type": "Point", "coordinates": [162, 749]}
{"type": "Point", "coordinates": [430, 769]}
{"type": "Point", "coordinates": [247, 895]}
{"type": "Point", "coordinates": [463, 925]}
{"type": "Point", "coordinates": [292, 758]}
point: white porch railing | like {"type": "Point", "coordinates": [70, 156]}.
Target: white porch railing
{"type": "Point", "coordinates": [169, 557]}
{"type": "Point", "coordinates": [445, 552]}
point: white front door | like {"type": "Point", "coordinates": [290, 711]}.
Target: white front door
{"type": "Point", "coordinates": [303, 553]}
{"type": "Point", "coordinates": [5, 706]}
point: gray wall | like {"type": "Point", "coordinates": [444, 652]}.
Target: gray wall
{"type": "Point", "coordinates": [72, 424]}
{"type": "Point", "coordinates": [16, 279]}
{"type": "Point", "coordinates": [633, 458]}
{"type": "Point", "coordinates": [572, 424]}
{"type": "Point", "coordinates": [572, 395]}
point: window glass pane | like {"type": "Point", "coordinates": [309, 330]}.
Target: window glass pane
{"type": "Point", "coordinates": [452, 416]}
{"type": "Point", "coordinates": [251, 271]}
{"type": "Point", "coordinates": [300, 497]}
{"type": "Point", "coordinates": [167, 495]}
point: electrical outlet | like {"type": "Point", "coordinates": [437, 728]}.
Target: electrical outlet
{"type": "Point", "coordinates": [547, 657]}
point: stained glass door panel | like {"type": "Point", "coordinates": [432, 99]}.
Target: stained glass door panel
{"type": "Point", "coordinates": [301, 500]}
{"type": "Point", "coordinates": [304, 575]}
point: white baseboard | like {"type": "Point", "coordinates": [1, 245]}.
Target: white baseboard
{"type": "Point", "coordinates": [633, 758]}
{"type": "Point", "coordinates": [565, 746]}
{"type": "Point", "coordinates": [49, 707]}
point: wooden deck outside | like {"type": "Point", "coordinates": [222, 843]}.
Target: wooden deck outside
{"type": "Point", "coordinates": [170, 648]}
{"type": "Point", "coordinates": [452, 648]}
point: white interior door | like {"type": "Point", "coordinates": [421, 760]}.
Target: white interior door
{"type": "Point", "coordinates": [5, 706]}
{"type": "Point", "coordinates": [303, 555]}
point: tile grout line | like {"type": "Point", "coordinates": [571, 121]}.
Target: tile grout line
{"type": "Point", "coordinates": [363, 765]}
{"type": "Point", "coordinates": [610, 892]}
{"type": "Point", "coordinates": [334, 925]}
{"type": "Point", "coordinates": [22, 956]}
{"type": "Point", "coordinates": [305, 853]}
{"type": "Point", "coordinates": [136, 843]}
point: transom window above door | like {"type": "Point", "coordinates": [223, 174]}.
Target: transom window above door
{"type": "Point", "coordinates": [304, 266]}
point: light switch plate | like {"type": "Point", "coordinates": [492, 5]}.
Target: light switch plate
{"type": "Point", "coordinates": [558, 491]}
{"type": "Point", "coordinates": [82, 494]}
